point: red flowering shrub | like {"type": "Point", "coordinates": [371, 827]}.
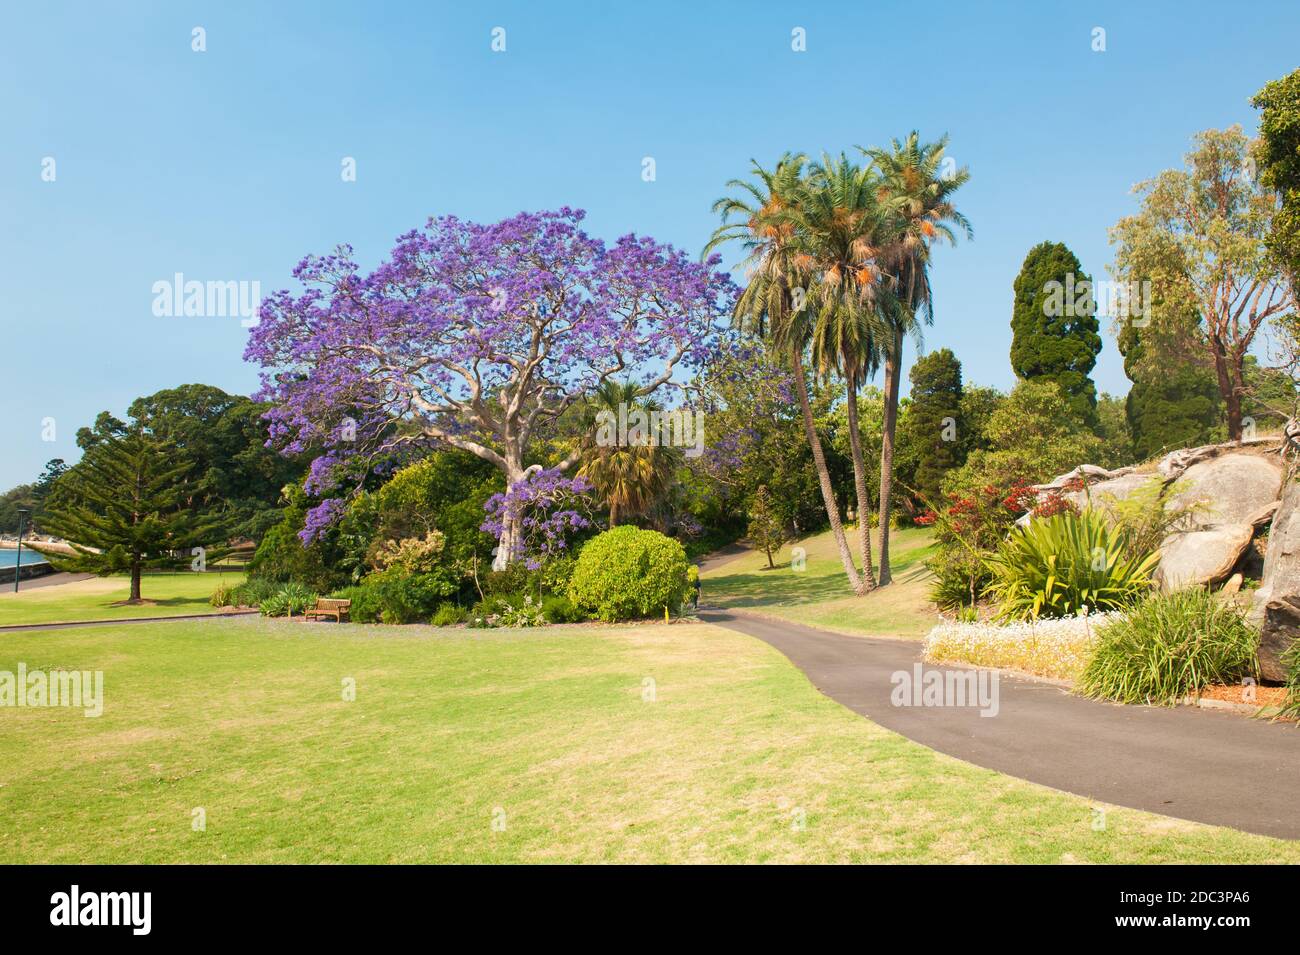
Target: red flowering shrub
{"type": "Point", "coordinates": [969, 529]}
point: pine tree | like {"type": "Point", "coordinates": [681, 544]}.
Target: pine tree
{"type": "Point", "coordinates": [1054, 325]}
{"type": "Point", "coordinates": [122, 509]}
{"type": "Point", "coordinates": [766, 529]}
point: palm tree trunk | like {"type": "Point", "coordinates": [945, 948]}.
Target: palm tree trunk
{"type": "Point", "coordinates": [823, 475]}
{"type": "Point", "coordinates": [860, 485]}
{"type": "Point", "coordinates": [893, 363]}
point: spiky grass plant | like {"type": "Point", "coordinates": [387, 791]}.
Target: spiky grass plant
{"type": "Point", "coordinates": [1170, 646]}
{"type": "Point", "coordinates": [1290, 708]}
{"type": "Point", "coordinates": [1067, 564]}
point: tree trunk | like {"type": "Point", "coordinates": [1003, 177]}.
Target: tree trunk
{"type": "Point", "coordinates": [823, 475]}
{"type": "Point", "coordinates": [860, 485]}
{"type": "Point", "coordinates": [770, 564]}
{"type": "Point", "coordinates": [893, 362]}
{"type": "Point", "coordinates": [135, 582]}
{"type": "Point", "coordinates": [613, 514]}
{"type": "Point", "coordinates": [1231, 396]}
{"type": "Point", "coordinates": [510, 545]}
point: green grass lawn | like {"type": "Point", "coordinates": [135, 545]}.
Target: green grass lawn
{"type": "Point", "coordinates": [94, 599]}
{"type": "Point", "coordinates": [736, 758]}
{"type": "Point", "coordinates": [820, 596]}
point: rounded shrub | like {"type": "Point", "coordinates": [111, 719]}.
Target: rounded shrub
{"type": "Point", "coordinates": [628, 572]}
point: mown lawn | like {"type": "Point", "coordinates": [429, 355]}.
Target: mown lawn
{"type": "Point", "coordinates": [94, 599]}
{"type": "Point", "coordinates": [819, 595]}
{"type": "Point", "coordinates": [553, 735]}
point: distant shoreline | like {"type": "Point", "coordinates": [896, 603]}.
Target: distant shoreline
{"type": "Point", "coordinates": [57, 546]}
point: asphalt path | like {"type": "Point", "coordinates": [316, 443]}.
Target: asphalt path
{"type": "Point", "coordinates": [1214, 767]}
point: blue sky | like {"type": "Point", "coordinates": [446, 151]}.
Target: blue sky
{"type": "Point", "coordinates": [225, 164]}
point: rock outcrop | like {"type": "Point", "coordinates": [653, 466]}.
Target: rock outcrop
{"type": "Point", "coordinates": [1238, 490]}
{"type": "Point", "coordinates": [1276, 607]}
{"type": "Point", "coordinates": [1230, 488]}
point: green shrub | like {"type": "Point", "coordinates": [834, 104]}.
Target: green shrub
{"type": "Point", "coordinates": [448, 615]}
{"type": "Point", "coordinates": [560, 609]}
{"type": "Point", "coordinates": [290, 600]}
{"type": "Point", "coordinates": [1056, 566]}
{"type": "Point", "coordinates": [960, 579]}
{"type": "Point", "coordinates": [253, 591]}
{"type": "Point", "coordinates": [525, 613]}
{"type": "Point", "coordinates": [488, 611]}
{"type": "Point", "coordinates": [1169, 646]}
{"type": "Point", "coordinates": [626, 573]}
{"type": "Point", "coordinates": [366, 604]}
{"type": "Point", "coordinates": [513, 579]}
{"type": "Point", "coordinates": [223, 596]}
{"type": "Point", "coordinates": [556, 573]}
{"type": "Point", "coordinates": [408, 598]}
{"type": "Point", "coordinates": [1291, 660]}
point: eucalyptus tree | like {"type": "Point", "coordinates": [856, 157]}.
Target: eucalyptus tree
{"type": "Point", "coordinates": [918, 181]}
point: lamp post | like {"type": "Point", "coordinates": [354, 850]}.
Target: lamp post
{"type": "Point", "coordinates": [18, 567]}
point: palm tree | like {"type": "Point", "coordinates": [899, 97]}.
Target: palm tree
{"type": "Point", "coordinates": [918, 187]}
{"type": "Point", "coordinates": [844, 229]}
{"type": "Point", "coordinates": [765, 219]}
{"type": "Point", "coordinates": [630, 477]}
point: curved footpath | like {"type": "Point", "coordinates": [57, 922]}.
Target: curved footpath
{"type": "Point", "coordinates": [1206, 766]}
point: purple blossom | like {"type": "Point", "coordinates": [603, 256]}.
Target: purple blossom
{"type": "Point", "coordinates": [472, 336]}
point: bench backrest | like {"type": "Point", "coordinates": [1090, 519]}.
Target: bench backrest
{"type": "Point", "coordinates": [329, 603]}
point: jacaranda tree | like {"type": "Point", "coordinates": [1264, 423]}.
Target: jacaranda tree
{"type": "Point", "coordinates": [475, 337]}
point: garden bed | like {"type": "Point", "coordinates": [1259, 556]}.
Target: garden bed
{"type": "Point", "coordinates": [1056, 649]}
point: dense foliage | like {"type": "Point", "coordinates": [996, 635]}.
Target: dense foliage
{"type": "Point", "coordinates": [1170, 646]}
{"type": "Point", "coordinates": [224, 438]}
{"type": "Point", "coordinates": [1054, 326]}
{"type": "Point", "coordinates": [627, 573]}
{"type": "Point", "coordinates": [1067, 564]}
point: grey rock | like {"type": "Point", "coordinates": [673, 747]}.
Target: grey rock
{"type": "Point", "coordinates": [1202, 556]}
{"type": "Point", "coordinates": [1117, 488]}
{"type": "Point", "coordinates": [1276, 607]}
{"type": "Point", "coordinates": [1230, 488]}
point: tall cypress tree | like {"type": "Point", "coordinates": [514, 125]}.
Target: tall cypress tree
{"type": "Point", "coordinates": [1054, 325]}
{"type": "Point", "coordinates": [933, 430]}
{"type": "Point", "coordinates": [123, 509]}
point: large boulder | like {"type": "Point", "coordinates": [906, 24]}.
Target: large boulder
{"type": "Point", "coordinates": [1092, 473]}
{"type": "Point", "coordinates": [1202, 556]}
{"type": "Point", "coordinates": [1276, 607]}
{"type": "Point", "coordinates": [1116, 488]}
{"type": "Point", "coordinates": [1174, 463]}
{"type": "Point", "coordinates": [1230, 489]}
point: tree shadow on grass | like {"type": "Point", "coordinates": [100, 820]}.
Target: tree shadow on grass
{"type": "Point", "coordinates": [781, 586]}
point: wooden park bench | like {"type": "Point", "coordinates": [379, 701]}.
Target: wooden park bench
{"type": "Point", "coordinates": [330, 607]}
